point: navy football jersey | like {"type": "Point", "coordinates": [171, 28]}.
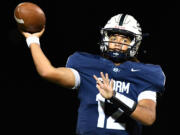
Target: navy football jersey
{"type": "Point", "coordinates": [130, 79]}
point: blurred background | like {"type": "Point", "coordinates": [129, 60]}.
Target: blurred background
{"type": "Point", "coordinates": [33, 105]}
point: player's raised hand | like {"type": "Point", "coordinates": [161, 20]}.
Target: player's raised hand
{"type": "Point", "coordinates": [33, 38]}
{"type": "Point", "coordinates": [37, 34]}
{"type": "Point", "coordinates": [105, 86]}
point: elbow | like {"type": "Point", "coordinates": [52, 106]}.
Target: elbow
{"type": "Point", "coordinates": [46, 73]}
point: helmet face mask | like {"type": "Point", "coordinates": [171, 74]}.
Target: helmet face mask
{"type": "Point", "coordinates": [122, 25]}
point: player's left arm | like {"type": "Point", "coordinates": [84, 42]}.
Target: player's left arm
{"type": "Point", "coordinates": [143, 111]}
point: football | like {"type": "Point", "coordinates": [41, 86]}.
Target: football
{"type": "Point", "coordinates": [29, 17]}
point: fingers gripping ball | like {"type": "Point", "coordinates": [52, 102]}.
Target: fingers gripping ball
{"type": "Point", "coordinates": [29, 17]}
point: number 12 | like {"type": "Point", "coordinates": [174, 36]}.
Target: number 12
{"type": "Point", "coordinates": [110, 123]}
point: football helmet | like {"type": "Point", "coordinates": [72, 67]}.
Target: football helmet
{"type": "Point", "coordinates": [122, 24]}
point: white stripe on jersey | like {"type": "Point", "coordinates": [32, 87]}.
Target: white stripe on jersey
{"type": "Point", "coordinates": [77, 78]}
{"type": "Point", "coordinates": [147, 94]}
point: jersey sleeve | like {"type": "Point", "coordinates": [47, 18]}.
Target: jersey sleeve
{"type": "Point", "coordinates": [147, 95]}
{"type": "Point", "coordinates": [155, 79]}
{"type": "Point", "coordinates": [76, 61]}
{"type": "Point", "coordinates": [77, 78]}
{"type": "Point", "coordinates": [71, 62]}
{"type": "Point", "coordinates": [73, 65]}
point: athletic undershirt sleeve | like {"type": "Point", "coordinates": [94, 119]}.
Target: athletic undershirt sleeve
{"type": "Point", "coordinates": [77, 78]}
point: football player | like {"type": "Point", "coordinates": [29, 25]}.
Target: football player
{"type": "Point", "coordinates": [117, 93]}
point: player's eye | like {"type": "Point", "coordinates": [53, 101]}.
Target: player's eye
{"type": "Point", "coordinates": [113, 38]}
{"type": "Point", "coordinates": [124, 40]}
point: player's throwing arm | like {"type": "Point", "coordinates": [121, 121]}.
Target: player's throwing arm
{"type": "Point", "coordinates": [62, 76]}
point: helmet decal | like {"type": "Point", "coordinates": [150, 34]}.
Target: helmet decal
{"type": "Point", "coordinates": [121, 20]}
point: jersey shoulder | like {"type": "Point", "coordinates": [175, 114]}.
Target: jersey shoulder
{"type": "Point", "coordinates": [79, 59]}
{"type": "Point", "coordinates": [150, 73]}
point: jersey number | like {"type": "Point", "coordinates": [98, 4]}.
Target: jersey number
{"type": "Point", "coordinates": [110, 121]}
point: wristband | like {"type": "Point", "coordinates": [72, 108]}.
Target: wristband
{"type": "Point", "coordinates": [123, 102]}
{"type": "Point", "coordinates": [31, 40]}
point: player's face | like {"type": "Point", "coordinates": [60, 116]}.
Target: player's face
{"type": "Point", "coordinates": [118, 42]}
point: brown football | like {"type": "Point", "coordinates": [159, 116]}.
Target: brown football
{"type": "Point", "coordinates": [29, 17]}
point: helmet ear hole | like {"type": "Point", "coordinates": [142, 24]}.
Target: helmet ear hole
{"type": "Point", "coordinates": [134, 49]}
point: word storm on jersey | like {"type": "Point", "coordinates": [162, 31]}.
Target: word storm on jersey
{"type": "Point", "coordinates": [120, 86]}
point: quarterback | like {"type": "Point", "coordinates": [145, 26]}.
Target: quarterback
{"type": "Point", "coordinates": [117, 92]}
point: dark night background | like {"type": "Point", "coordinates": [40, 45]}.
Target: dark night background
{"type": "Point", "coordinates": [33, 105]}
